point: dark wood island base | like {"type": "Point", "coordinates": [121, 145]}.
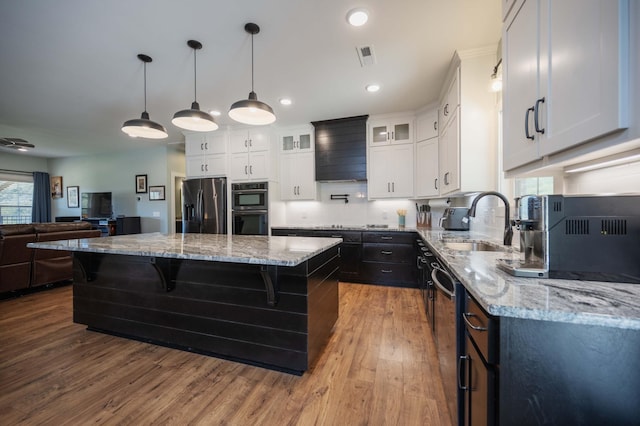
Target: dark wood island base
{"type": "Point", "coordinates": [278, 317]}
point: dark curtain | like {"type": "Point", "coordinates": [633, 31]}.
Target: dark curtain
{"type": "Point", "coordinates": [41, 208]}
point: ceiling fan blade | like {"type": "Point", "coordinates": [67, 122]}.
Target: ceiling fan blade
{"type": "Point", "coordinates": [16, 143]}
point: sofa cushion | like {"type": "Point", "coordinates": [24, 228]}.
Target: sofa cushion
{"type": "Point", "coordinates": [16, 229]}
{"type": "Point", "coordinates": [61, 226]}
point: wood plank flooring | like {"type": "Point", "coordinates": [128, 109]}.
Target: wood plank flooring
{"type": "Point", "coordinates": [379, 368]}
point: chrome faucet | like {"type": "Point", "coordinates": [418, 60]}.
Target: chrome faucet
{"type": "Point", "coordinates": [508, 232]}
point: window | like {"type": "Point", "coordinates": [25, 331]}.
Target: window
{"type": "Point", "coordinates": [16, 198]}
{"type": "Point", "coordinates": [534, 186]}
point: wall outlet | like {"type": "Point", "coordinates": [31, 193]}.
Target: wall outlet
{"type": "Point", "coordinates": [156, 214]}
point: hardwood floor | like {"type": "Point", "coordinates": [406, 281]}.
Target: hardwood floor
{"type": "Point", "coordinates": [379, 368]}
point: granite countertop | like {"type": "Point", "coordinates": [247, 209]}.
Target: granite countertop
{"type": "Point", "coordinates": [501, 294]}
{"type": "Point", "coordinates": [260, 250]}
{"type": "Point", "coordinates": [370, 228]}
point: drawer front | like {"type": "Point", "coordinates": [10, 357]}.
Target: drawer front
{"type": "Point", "coordinates": [389, 237]}
{"type": "Point", "coordinates": [483, 330]}
{"type": "Point", "coordinates": [347, 236]}
{"type": "Point", "coordinates": [388, 274]}
{"type": "Point", "coordinates": [388, 253]}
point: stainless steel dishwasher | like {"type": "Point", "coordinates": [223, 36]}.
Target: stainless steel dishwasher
{"type": "Point", "coordinates": [448, 334]}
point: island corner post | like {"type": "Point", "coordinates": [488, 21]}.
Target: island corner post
{"type": "Point", "coordinates": [274, 316]}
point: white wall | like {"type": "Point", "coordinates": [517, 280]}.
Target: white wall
{"type": "Point", "coordinates": [22, 163]}
{"type": "Point", "coordinates": [115, 173]}
{"type": "Point", "coordinates": [619, 179]}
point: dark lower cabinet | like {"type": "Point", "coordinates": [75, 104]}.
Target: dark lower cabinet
{"type": "Point", "coordinates": [388, 258]}
{"type": "Point", "coordinates": [515, 371]}
{"type": "Point", "coordinates": [370, 257]}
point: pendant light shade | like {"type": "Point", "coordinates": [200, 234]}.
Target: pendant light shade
{"type": "Point", "coordinates": [143, 127]}
{"type": "Point", "coordinates": [194, 119]}
{"type": "Point", "coordinates": [251, 110]}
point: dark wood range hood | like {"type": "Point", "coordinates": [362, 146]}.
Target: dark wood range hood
{"type": "Point", "coordinates": [341, 149]}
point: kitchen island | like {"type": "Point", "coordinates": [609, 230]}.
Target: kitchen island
{"type": "Point", "coordinates": [268, 301]}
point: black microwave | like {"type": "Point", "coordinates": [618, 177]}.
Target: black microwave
{"type": "Point", "coordinates": [250, 196]}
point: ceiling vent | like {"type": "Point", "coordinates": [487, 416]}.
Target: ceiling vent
{"type": "Point", "coordinates": [366, 56]}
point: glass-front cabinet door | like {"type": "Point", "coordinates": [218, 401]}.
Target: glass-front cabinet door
{"type": "Point", "coordinates": [299, 139]}
{"type": "Point", "coordinates": [391, 131]}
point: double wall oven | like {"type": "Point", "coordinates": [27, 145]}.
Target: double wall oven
{"type": "Point", "coordinates": [250, 208]}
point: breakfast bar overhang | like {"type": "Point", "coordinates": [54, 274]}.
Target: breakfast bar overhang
{"type": "Point", "coordinates": [268, 301]}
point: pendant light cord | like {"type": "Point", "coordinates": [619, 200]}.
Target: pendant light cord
{"type": "Point", "coordinates": [145, 86]}
{"type": "Point", "coordinates": [195, 76]}
{"type": "Point", "coordinates": [252, 62]}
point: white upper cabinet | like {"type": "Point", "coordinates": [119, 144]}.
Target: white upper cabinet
{"type": "Point", "coordinates": [565, 75]}
{"type": "Point", "coordinates": [451, 99]}
{"type": "Point", "coordinates": [391, 131]}
{"type": "Point", "coordinates": [206, 154]}
{"type": "Point", "coordinates": [298, 139]}
{"type": "Point", "coordinates": [251, 157]}
{"type": "Point", "coordinates": [427, 125]}
{"type": "Point", "coordinates": [390, 172]}
{"type": "Point", "coordinates": [468, 126]}
{"type": "Point", "coordinates": [246, 140]}
{"type": "Point", "coordinates": [297, 177]}
{"type": "Point", "coordinates": [507, 5]}
{"type": "Point", "coordinates": [427, 179]}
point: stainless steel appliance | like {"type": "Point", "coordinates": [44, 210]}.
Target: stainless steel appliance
{"type": "Point", "coordinates": [455, 219]}
{"type": "Point", "coordinates": [578, 237]}
{"type": "Point", "coordinates": [250, 208]}
{"type": "Point", "coordinates": [204, 205]}
{"type": "Point", "coordinates": [448, 333]}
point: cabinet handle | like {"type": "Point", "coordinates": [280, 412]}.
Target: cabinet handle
{"type": "Point", "coordinates": [466, 316]}
{"type": "Point", "coordinates": [446, 178]}
{"type": "Point", "coordinates": [250, 170]}
{"type": "Point", "coordinates": [388, 187]}
{"type": "Point", "coordinates": [393, 187]}
{"type": "Point", "coordinates": [386, 238]}
{"type": "Point", "coordinates": [386, 252]}
{"type": "Point", "coordinates": [250, 144]}
{"type": "Point", "coordinates": [526, 124]}
{"type": "Point", "coordinates": [206, 146]}
{"type": "Point", "coordinates": [245, 170]}
{"type": "Point", "coordinates": [202, 167]}
{"type": "Point", "coordinates": [435, 125]}
{"type": "Point", "coordinates": [393, 135]}
{"type": "Point", "coordinates": [536, 114]}
{"type": "Point", "coordinates": [461, 359]}
{"type": "Point", "coordinates": [435, 183]}
{"type": "Point", "coordinates": [386, 271]}
{"type": "Point", "coordinates": [201, 147]}
{"type": "Point", "coordinates": [246, 142]}
{"type": "Point", "coordinates": [446, 110]}
{"type": "Point", "coordinates": [206, 167]}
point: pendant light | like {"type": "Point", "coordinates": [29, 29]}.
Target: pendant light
{"type": "Point", "coordinates": [252, 111]}
{"type": "Point", "coordinates": [194, 119]}
{"type": "Point", "coordinates": [143, 127]}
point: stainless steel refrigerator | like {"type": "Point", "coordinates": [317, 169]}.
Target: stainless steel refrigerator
{"type": "Point", "coordinates": [204, 206]}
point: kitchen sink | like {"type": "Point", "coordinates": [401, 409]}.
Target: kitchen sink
{"type": "Point", "coordinates": [472, 246]}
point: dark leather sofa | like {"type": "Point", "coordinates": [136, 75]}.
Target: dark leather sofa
{"type": "Point", "coordinates": [22, 267]}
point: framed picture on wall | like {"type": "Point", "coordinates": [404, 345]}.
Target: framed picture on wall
{"type": "Point", "coordinates": [56, 187]}
{"type": "Point", "coordinates": [73, 197]}
{"type": "Point", "coordinates": [156, 193]}
{"type": "Point", "coordinates": [141, 184]}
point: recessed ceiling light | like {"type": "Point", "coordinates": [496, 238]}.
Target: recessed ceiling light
{"type": "Point", "coordinates": [357, 17]}
{"type": "Point", "coordinates": [285, 101]}
{"type": "Point", "coordinates": [215, 113]}
{"type": "Point", "coordinates": [372, 88]}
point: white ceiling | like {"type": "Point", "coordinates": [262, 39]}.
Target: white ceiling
{"type": "Point", "coordinates": [69, 75]}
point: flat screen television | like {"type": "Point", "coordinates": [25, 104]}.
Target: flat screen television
{"type": "Point", "coordinates": [96, 205]}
